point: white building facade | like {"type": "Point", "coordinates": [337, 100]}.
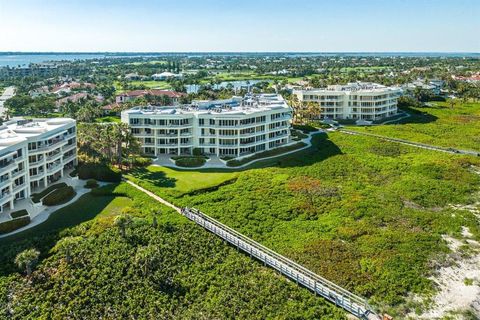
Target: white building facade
{"type": "Point", "coordinates": [234, 128]}
{"type": "Point", "coordinates": [33, 155]}
{"type": "Point", "coordinates": [357, 101]}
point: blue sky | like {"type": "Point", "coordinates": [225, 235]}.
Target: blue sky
{"type": "Point", "coordinates": [241, 25]}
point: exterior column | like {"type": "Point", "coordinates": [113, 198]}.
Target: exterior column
{"type": "Point", "coordinates": [12, 206]}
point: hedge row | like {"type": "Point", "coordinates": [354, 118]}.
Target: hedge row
{"type": "Point", "coordinates": [91, 183]}
{"type": "Point", "coordinates": [19, 213]}
{"type": "Point", "coordinates": [59, 196]}
{"type": "Point", "coordinates": [36, 197]}
{"type": "Point", "coordinates": [99, 172]}
{"type": "Point", "coordinates": [305, 128]}
{"type": "Point", "coordinates": [12, 225]}
{"type": "Point", "coordinates": [190, 162]}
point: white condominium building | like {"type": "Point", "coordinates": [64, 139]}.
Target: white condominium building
{"type": "Point", "coordinates": [34, 154]}
{"type": "Point", "coordinates": [235, 127]}
{"type": "Point", "coordinates": [359, 101]}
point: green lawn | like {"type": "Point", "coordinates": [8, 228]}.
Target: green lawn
{"type": "Point", "coordinates": [438, 125]}
{"type": "Point", "coordinates": [176, 183]}
{"type": "Point", "coordinates": [108, 119]}
{"type": "Point", "coordinates": [151, 84]}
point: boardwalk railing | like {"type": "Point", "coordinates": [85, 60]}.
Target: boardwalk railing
{"type": "Point", "coordinates": [352, 303]}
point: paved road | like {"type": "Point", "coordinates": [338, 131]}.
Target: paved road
{"type": "Point", "coordinates": [7, 94]}
{"type": "Point", "coordinates": [413, 144]}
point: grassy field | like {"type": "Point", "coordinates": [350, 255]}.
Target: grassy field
{"type": "Point", "coordinates": [177, 183]}
{"type": "Point", "coordinates": [371, 221]}
{"type": "Point", "coordinates": [108, 119]}
{"type": "Point", "coordinates": [151, 84]}
{"type": "Point", "coordinates": [437, 124]}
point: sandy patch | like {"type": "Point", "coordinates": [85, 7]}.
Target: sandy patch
{"type": "Point", "coordinates": [457, 280]}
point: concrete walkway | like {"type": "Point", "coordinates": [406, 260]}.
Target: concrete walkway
{"type": "Point", "coordinates": [154, 196]}
{"type": "Point", "coordinates": [405, 115]}
{"type": "Point", "coordinates": [216, 163]}
{"type": "Point", "coordinates": [44, 212]}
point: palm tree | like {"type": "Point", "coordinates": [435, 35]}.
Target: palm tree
{"type": "Point", "coordinates": [66, 246]}
{"type": "Point", "coordinates": [294, 103]}
{"type": "Point", "coordinates": [27, 260]}
{"type": "Point", "coordinates": [122, 222]}
{"type": "Point", "coordinates": [145, 258]}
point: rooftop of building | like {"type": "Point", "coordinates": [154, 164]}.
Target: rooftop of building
{"type": "Point", "coordinates": [360, 87]}
{"type": "Point", "coordinates": [249, 104]}
{"type": "Point", "coordinates": [19, 130]}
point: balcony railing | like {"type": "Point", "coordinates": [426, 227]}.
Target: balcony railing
{"type": "Point", "coordinates": [40, 174]}
{"type": "Point", "coordinates": [54, 167]}
{"type": "Point", "coordinates": [18, 173]}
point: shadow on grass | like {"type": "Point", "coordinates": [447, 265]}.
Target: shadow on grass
{"type": "Point", "coordinates": [321, 149]}
{"type": "Point", "coordinates": [157, 178]}
{"type": "Point", "coordinates": [417, 116]}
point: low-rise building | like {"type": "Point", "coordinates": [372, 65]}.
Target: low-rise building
{"type": "Point", "coordinates": [33, 155]}
{"type": "Point", "coordinates": [234, 127]}
{"type": "Point", "coordinates": [358, 101]}
{"type": "Point", "coordinates": [166, 76]}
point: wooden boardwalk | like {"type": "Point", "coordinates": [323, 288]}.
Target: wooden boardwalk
{"type": "Point", "coordinates": [343, 298]}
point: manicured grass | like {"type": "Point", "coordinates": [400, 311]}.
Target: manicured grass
{"type": "Point", "coordinates": [108, 119]}
{"type": "Point", "coordinates": [149, 84]}
{"type": "Point", "coordinates": [115, 206]}
{"type": "Point", "coordinates": [178, 182]}
{"type": "Point", "coordinates": [437, 124]}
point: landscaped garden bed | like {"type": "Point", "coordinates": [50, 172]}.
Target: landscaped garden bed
{"type": "Point", "coordinates": [12, 225]}
{"type": "Point", "coordinates": [36, 197]}
{"type": "Point", "coordinates": [190, 161]}
{"type": "Point", "coordinates": [59, 196]}
{"type": "Point", "coordinates": [19, 213]}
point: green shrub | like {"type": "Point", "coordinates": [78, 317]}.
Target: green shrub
{"type": "Point", "coordinates": [74, 173]}
{"type": "Point", "coordinates": [12, 225]}
{"type": "Point", "coordinates": [305, 128]}
{"type": "Point", "coordinates": [190, 162]}
{"type": "Point", "coordinates": [99, 172]}
{"type": "Point", "coordinates": [142, 161]}
{"type": "Point", "coordinates": [36, 197]}
{"type": "Point", "coordinates": [59, 196]}
{"type": "Point", "coordinates": [197, 152]}
{"type": "Point", "coordinates": [91, 183]}
{"type": "Point", "coordinates": [19, 213]}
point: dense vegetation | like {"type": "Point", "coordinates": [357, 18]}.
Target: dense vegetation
{"type": "Point", "coordinates": [447, 124]}
{"type": "Point", "coordinates": [364, 213]}
{"type": "Point", "coordinates": [164, 267]}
